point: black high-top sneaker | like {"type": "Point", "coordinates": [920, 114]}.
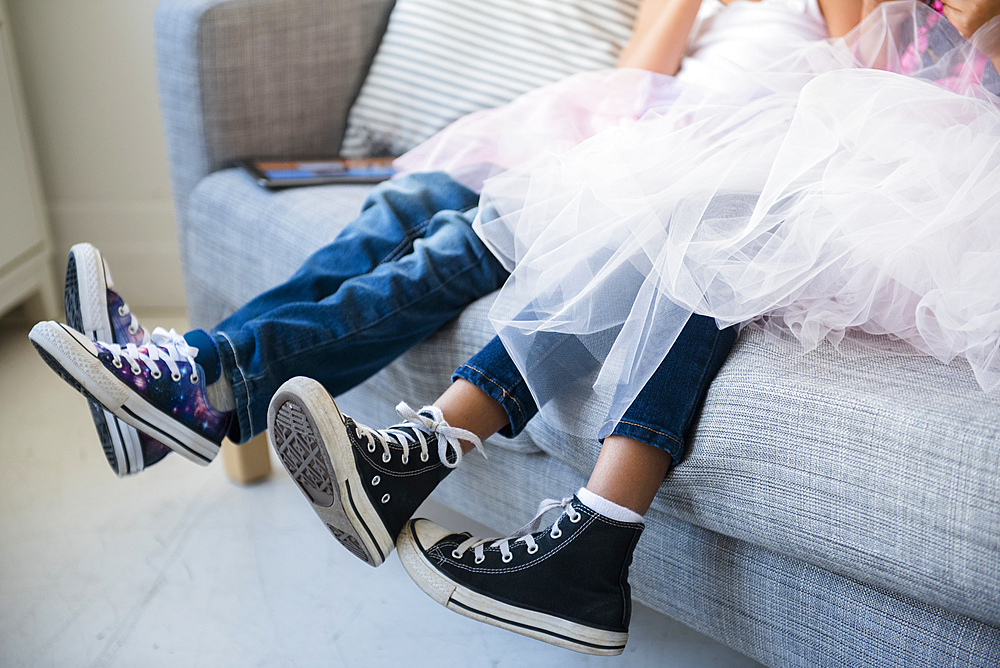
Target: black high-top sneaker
{"type": "Point", "coordinates": [566, 585]}
{"type": "Point", "coordinates": [363, 483]}
{"type": "Point", "coordinates": [95, 309]}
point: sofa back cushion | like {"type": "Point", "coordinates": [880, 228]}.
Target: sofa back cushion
{"type": "Point", "coordinates": [442, 59]}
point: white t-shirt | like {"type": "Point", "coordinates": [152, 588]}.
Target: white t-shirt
{"type": "Point", "coordinates": [748, 35]}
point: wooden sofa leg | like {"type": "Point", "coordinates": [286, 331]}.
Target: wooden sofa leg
{"type": "Point", "coordinates": [247, 463]}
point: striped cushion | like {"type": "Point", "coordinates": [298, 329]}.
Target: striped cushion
{"type": "Point", "coordinates": [441, 59]}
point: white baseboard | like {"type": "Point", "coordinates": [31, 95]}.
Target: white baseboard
{"type": "Point", "coordinates": [137, 238]}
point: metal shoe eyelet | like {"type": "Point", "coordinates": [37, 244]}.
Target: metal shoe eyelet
{"type": "Point", "coordinates": [133, 330]}
{"type": "Point", "coordinates": [155, 373]}
{"type": "Point", "coordinates": [533, 549]}
{"type": "Point", "coordinates": [121, 311]}
{"type": "Point", "coordinates": [455, 554]}
{"type": "Point", "coordinates": [575, 519]}
{"type": "Point", "coordinates": [386, 457]}
{"type": "Point", "coordinates": [385, 499]}
{"type": "Point", "coordinates": [194, 379]}
{"type": "Point", "coordinates": [375, 481]}
{"type": "Point", "coordinates": [371, 447]}
{"type": "Point", "coordinates": [424, 456]}
{"type": "Point", "coordinates": [555, 533]}
{"type": "Point", "coordinates": [507, 558]}
{"type": "Point", "coordinates": [135, 370]}
{"type": "Point", "coordinates": [480, 560]}
{"type": "Point", "coordinates": [175, 376]}
{"type": "Point", "coordinates": [116, 364]}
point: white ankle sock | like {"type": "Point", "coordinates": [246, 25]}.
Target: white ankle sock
{"type": "Point", "coordinates": [609, 509]}
{"type": "Point", "coordinates": [221, 396]}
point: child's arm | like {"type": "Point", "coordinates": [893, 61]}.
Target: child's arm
{"type": "Point", "coordinates": [660, 35]}
{"type": "Point", "coordinates": [842, 15]}
{"type": "Point", "coordinates": [968, 16]}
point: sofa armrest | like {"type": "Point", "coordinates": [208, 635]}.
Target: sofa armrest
{"type": "Point", "coordinates": [257, 77]}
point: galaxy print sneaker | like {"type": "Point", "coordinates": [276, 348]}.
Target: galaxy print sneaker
{"type": "Point", "coordinates": [363, 483]}
{"type": "Point", "coordinates": [95, 309]}
{"type": "Point", "coordinates": [566, 584]}
{"type": "Point", "coordinates": [156, 387]}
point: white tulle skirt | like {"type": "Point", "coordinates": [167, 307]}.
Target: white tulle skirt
{"type": "Point", "coordinates": [852, 189]}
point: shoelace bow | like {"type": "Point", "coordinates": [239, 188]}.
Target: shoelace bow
{"type": "Point", "coordinates": [420, 426]}
{"type": "Point", "coordinates": [160, 346]}
{"type": "Point", "coordinates": [524, 534]}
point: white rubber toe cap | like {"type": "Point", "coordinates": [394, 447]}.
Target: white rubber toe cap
{"type": "Point", "coordinates": [51, 334]}
{"type": "Point", "coordinates": [427, 533]}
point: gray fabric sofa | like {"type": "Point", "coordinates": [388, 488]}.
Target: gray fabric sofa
{"type": "Point", "coordinates": [833, 511]}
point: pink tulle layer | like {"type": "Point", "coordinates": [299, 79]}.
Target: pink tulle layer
{"type": "Point", "coordinates": [852, 188]}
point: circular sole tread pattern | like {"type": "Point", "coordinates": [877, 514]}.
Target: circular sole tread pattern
{"type": "Point", "coordinates": [301, 454]}
{"type": "Point", "coordinates": [71, 297]}
{"type": "Point", "coordinates": [350, 542]}
{"type": "Point", "coordinates": [299, 448]}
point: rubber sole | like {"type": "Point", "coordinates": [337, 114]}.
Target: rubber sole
{"type": "Point", "coordinates": [87, 312]}
{"type": "Point", "coordinates": [307, 432]}
{"type": "Point", "coordinates": [77, 364]}
{"type": "Point", "coordinates": [468, 603]}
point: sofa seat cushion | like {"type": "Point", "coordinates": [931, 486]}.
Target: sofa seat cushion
{"type": "Point", "coordinates": [880, 467]}
{"type": "Point", "coordinates": [260, 236]}
{"type": "Point", "coordinates": [776, 609]}
{"type": "Point", "coordinates": [884, 468]}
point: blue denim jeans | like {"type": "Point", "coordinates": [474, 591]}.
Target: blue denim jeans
{"type": "Point", "coordinates": [406, 266]}
{"type": "Point", "coordinates": [661, 414]}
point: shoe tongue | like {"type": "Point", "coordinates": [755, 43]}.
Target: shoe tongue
{"type": "Point", "coordinates": [416, 426]}
{"type": "Point", "coordinates": [412, 429]}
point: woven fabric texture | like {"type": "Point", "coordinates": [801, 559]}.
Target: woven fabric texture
{"type": "Point", "coordinates": [442, 59]}
{"type": "Point", "coordinates": [880, 467]}
{"type": "Point", "coordinates": [260, 236]}
{"type": "Point", "coordinates": [784, 612]}
{"type": "Point", "coordinates": [832, 511]}
{"type": "Point", "coordinates": [241, 78]}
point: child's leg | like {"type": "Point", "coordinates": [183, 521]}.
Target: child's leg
{"type": "Point", "coordinates": [567, 585]}
{"type": "Point", "coordinates": [489, 395]}
{"type": "Point", "coordinates": [405, 267]}
{"type": "Point", "coordinates": [629, 472]}
{"type": "Point", "coordinates": [464, 404]}
{"type": "Point", "coordinates": [650, 437]}
{"type": "Point", "coordinates": [410, 263]}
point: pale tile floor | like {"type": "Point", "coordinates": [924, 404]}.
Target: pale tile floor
{"type": "Point", "coordinates": [180, 567]}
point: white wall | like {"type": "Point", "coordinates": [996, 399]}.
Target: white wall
{"type": "Point", "coordinates": [89, 79]}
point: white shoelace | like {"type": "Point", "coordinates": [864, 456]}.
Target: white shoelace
{"type": "Point", "coordinates": [448, 438]}
{"type": "Point", "coordinates": [161, 346]}
{"type": "Point", "coordinates": [133, 325]}
{"type": "Point", "coordinates": [524, 534]}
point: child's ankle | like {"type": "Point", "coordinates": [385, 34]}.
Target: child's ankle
{"type": "Point", "coordinates": [609, 509]}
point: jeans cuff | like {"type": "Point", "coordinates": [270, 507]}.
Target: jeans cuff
{"type": "Point", "coordinates": [241, 429]}
{"type": "Point", "coordinates": [518, 413]}
{"type": "Point", "coordinates": [673, 445]}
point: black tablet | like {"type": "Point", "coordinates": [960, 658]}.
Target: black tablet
{"type": "Point", "coordinates": [287, 173]}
